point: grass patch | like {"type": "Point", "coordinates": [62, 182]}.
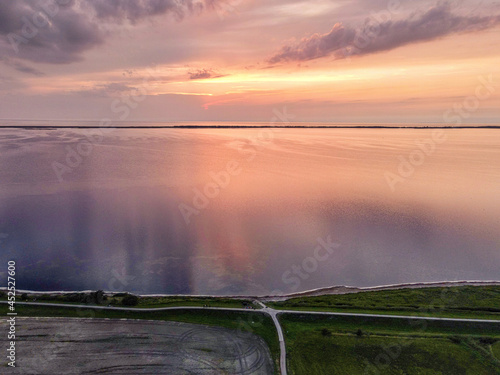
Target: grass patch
{"type": "Point", "coordinates": [388, 326]}
{"type": "Point", "coordinates": [495, 348]}
{"type": "Point", "coordinates": [194, 301]}
{"type": "Point", "coordinates": [116, 299]}
{"type": "Point", "coordinates": [325, 345]}
{"type": "Point", "coordinates": [422, 313]}
{"type": "Point", "coordinates": [465, 301]}
{"type": "Point", "coordinates": [254, 322]}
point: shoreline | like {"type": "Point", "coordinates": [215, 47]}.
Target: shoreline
{"type": "Point", "coordinates": [337, 289]}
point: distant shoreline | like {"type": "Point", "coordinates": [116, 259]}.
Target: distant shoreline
{"type": "Point", "coordinates": [34, 127]}
{"type": "Point", "coordinates": [352, 289]}
{"type": "Point", "coordinates": [338, 289]}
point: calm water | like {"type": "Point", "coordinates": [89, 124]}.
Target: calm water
{"type": "Point", "coordinates": [141, 209]}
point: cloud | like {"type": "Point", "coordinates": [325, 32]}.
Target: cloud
{"type": "Point", "coordinates": [56, 35]}
{"type": "Point", "coordinates": [19, 66]}
{"type": "Point", "coordinates": [107, 90]}
{"type": "Point", "coordinates": [374, 36]}
{"type": "Point", "coordinates": [60, 31]}
{"type": "Point", "coordinates": [9, 85]}
{"type": "Point", "coordinates": [204, 74]}
{"type": "Point", "coordinates": [135, 10]}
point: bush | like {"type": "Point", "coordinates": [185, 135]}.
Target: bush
{"type": "Point", "coordinates": [359, 333]}
{"type": "Point", "coordinates": [97, 297]}
{"type": "Point", "coordinates": [130, 300]}
{"type": "Point", "coordinates": [456, 339]}
{"type": "Point", "coordinates": [326, 332]}
{"type": "Point", "coordinates": [488, 340]}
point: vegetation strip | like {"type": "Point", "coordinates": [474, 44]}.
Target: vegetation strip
{"type": "Point", "coordinates": [451, 302]}
{"type": "Point", "coordinates": [370, 346]}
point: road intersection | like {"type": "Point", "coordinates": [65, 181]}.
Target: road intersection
{"type": "Point", "coordinates": [273, 313]}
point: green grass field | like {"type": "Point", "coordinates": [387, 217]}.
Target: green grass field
{"type": "Point", "coordinates": [116, 300]}
{"type": "Point", "coordinates": [192, 301]}
{"type": "Point", "coordinates": [496, 350]}
{"type": "Point", "coordinates": [241, 322]}
{"type": "Point", "coordinates": [466, 302]}
{"type": "Point", "coordinates": [340, 344]}
{"type": "Point", "coordinates": [319, 345]}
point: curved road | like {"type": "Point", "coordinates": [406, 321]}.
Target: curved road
{"type": "Point", "coordinates": [265, 310]}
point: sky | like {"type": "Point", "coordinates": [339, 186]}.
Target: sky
{"type": "Point", "coordinates": [337, 61]}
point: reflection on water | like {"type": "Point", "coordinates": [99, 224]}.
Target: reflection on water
{"type": "Point", "coordinates": [143, 210]}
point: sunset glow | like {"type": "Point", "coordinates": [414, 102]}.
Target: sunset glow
{"type": "Point", "coordinates": [325, 60]}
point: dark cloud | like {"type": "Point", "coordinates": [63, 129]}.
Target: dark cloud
{"type": "Point", "coordinates": [19, 66]}
{"type": "Point", "coordinates": [204, 74]}
{"type": "Point", "coordinates": [135, 10]}
{"type": "Point", "coordinates": [52, 35]}
{"type": "Point", "coordinates": [60, 31]}
{"type": "Point", "coordinates": [374, 36]}
{"type": "Point", "coordinates": [107, 90]}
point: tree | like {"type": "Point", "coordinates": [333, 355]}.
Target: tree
{"type": "Point", "coordinates": [130, 300]}
{"type": "Point", "coordinates": [359, 333]}
{"type": "Point", "coordinates": [97, 297]}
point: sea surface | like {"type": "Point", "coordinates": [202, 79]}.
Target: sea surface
{"type": "Point", "coordinates": [247, 211]}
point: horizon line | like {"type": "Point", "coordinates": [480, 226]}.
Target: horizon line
{"type": "Point", "coordinates": [51, 127]}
